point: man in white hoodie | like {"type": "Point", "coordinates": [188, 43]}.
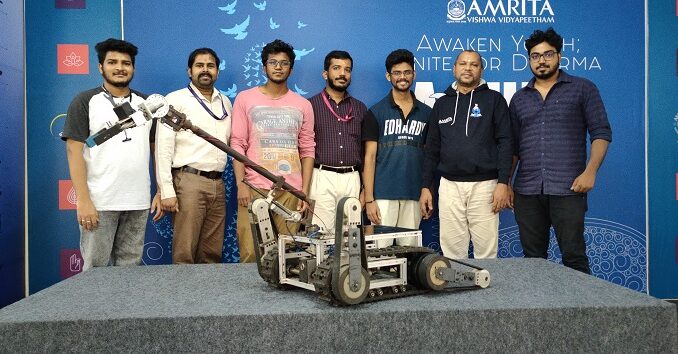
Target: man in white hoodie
{"type": "Point", "coordinates": [469, 144]}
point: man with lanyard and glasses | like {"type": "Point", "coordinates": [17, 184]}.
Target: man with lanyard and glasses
{"type": "Point", "coordinates": [190, 169]}
{"type": "Point", "coordinates": [272, 126]}
{"type": "Point", "coordinates": [550, 118]}
{"type": "Point", "coordinates": [112, 182]}
{"type": "Point", "coordinates": [338, 131]}
{"type": "Point", "coordinates": [394, 134]}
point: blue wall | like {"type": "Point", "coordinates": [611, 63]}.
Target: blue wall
{"type": "Point", "coordinates": [370, 30]}
{"type": "Point", "coordinates": [662, 148]}
{"type": "Point", "coordinates": [11, 152]}
{"type": "Point", "coordinates": [611, 55]}
{"type": "Point", "coordinates": [53, 231]}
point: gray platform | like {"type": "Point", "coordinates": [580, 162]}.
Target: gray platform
{"type": "Point", "coordinates": [531, 306]}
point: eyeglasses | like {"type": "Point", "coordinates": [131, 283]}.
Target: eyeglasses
{"type": "Point", "coordinates": [273, 63]}
{"type": "Point", "coordinates": [547, 55]}
{"type": "Point", "coordinates": [402, 73]}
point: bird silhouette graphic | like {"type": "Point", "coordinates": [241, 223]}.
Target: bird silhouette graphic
{"type": "Point", "coordinates": [230, 8]}
{"type": "Point", "coordinates": [230, 92]}
{"type": "Point", "coordinates": [261, 6]}
{"type": "Point", "coordinates": [302, 52]}
{"type": "Point", "coordinates": [272, 24]}
{"type": "Point", "coordinates": [301, 24]}
{"type": "Point", "coordinates": [238, 30]}
{"type": "Point", "coordinates": [298, 90]}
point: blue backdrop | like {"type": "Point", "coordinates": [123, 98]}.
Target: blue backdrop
{"type": "Point", "coordinates": [61, 62]}
{"type": "Point", "coordinates": [11, 152]}
{"type": "Point", "coordinates": [611, 55]}
{"type": "Point", "coordinates": [370, 30]}
{"type": "Point", "coordinates": [662, 153]}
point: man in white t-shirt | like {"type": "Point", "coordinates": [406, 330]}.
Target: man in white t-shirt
{"type": "Point", "coordinates": [111, 180]}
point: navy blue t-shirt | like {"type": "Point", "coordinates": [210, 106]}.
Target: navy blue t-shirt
{"type": "Point", "coordinates": [400, 148]}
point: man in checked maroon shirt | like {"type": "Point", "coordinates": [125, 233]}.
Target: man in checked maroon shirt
{"type": "Point", "coordinates": [338, 138]}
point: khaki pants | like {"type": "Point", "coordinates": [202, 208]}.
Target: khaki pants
{"type": "Point", "coordinates": [465, 210]}
{"type": "Point", "coordinates": [199, 223]}
{"type": "Point", "coordinates": [245, 240]}
{"type": "Point", "coordinates": [327, 188]}
{"type": "Point", "coordinates": [400, 213]}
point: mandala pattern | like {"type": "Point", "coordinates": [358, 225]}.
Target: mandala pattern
{"type": "Point", "coordinates": [616, 252]}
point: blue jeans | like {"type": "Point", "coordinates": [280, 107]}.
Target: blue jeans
{"type": "Point", "coordinates": [117, 240]}
{"type": "Point", "coordinates": [535, 214]}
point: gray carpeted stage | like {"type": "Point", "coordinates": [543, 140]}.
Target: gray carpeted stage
{"type": "Point", "coordinates": [531, 306]}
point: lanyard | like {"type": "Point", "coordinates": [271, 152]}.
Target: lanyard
{"type": "Point", "coordinates": [109, 96]}
{"type": "Point", "coordinates": [345, 118]}
{"type": "Point", "coordinates": [223, 108]}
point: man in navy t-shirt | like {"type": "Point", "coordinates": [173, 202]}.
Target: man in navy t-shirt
{"type": "Point", "coordinates": [394, 133]}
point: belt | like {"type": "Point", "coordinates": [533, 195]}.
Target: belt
{"type": "Point", "coordinates": [345, 169]}
{"type": "Point", "coordinates": [208, 174]}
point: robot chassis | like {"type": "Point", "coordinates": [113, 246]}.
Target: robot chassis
{"type": "Point", "coordinates": [343, 266]}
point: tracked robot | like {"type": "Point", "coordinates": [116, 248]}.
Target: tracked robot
{"type": "Point", "coordinates": [343, 264]}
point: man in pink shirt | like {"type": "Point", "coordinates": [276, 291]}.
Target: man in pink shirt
{"type": "Point", "coordinates": [273, 126]}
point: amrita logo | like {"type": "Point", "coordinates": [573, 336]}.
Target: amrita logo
{"type": "Point", "coordinates": [67, 198]}
{"type": "Point", "coordinates": [502, 11]}
{"type": "Point", "coordinates": [73, 59]}
{"type": "Point", "coordinates": [456, 10]}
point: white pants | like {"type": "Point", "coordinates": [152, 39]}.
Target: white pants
{"type": "Point", "coordinates": [327, 188]}
{"type": "Point", "coordinates": [400, 213]}
{"type": "Point", "coordinates": [465, 210]}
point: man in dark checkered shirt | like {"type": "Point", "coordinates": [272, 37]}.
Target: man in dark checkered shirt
{"type": "Point", "coordinates": [550, 119]}
{"type": "Point", "coordinates": [338, 140]}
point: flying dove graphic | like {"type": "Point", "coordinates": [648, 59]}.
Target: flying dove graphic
{"type": "Point", "coordinates": [302, 52]}
{"type": "Point", "coordinates": [230, 8]}
{"type": "Point", "coordinates": [301, 24]}
{"type": "Point", "coordinates": [272, 24]}
{"type": "Point", "coordinates": [238, 30]}
{"type": "Point", "coordinates": [247, 67]}
{"type": "Point", "coordinates": [222, 65]}
{"type": "Point", "coordinates": [299, 91]}
{"type": "Point", "coordinates": [230, 92]}
{"type": "Point", "coordinates": [261, 6]}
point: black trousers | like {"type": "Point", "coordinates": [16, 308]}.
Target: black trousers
{"type": "Point", "coordinates": [536, 213]}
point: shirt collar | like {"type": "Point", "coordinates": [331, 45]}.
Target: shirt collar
{"type": "Point", "coordinates": [347, 96]}
{"type": "Point", "coordinates": [215, 92]}
{"type": "Point", "coordinates": [562, 77]}
{"type": "Point", "coordinates": [395, 105]}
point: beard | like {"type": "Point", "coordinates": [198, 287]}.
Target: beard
{"type": "Point", "coordinates": [398, 88]}
{"type": "Point", "coordinates": [332, 85]}
{"type": "Point", "coordinates": [275, 80]}
{"type": "Point", "coordinates": [547, 74]}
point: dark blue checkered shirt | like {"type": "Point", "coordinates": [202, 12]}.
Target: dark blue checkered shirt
{"type": "Point", "coordinates": [550, 134]}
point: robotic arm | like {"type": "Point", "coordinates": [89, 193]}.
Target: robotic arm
{"type": "Point", "coordinates": [157, 107]}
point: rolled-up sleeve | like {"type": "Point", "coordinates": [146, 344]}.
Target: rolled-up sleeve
{"type": "Point", "coordinates": [595, 115]}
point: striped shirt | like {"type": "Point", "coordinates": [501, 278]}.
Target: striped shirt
{"type": "Point", "coordinates": [550, 134]}
{"type": "Point", "coordinates": [338, 143]}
